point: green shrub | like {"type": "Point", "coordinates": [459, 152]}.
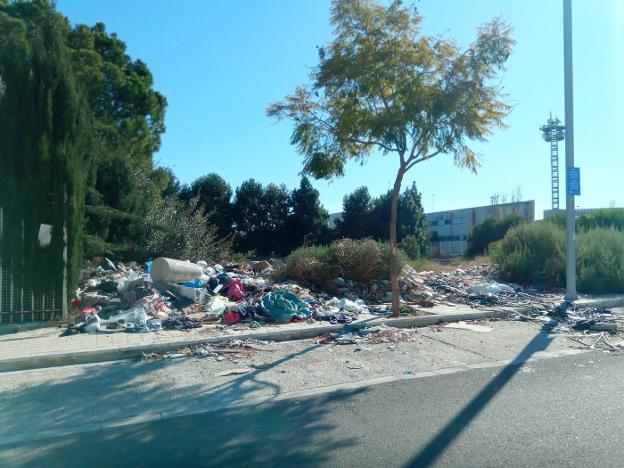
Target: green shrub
{"type": "Point", "coordinates": [179, 230]}
{"type": "Point", "coordinates": [411, 246]}
{"type": "Point", "coordinates": [605, 218]}
{"type": "Point", "coordinates": [531, 253]}
{"type": "Point", "coordinates": [384, 271]}
{"type": "Point", "coordinates": [490, 230]}
{"type": "Point", "coordinates": [358, 260]}
{"type": "Point", "coordinates": [600, 261]}
{"type": "Point", "coordinates": [310, 264]}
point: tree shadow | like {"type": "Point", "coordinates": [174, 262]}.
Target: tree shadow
{"type": "Point", "coordinates": [223, 434]}
{"type": "Point", "coordinates": [445, 437]}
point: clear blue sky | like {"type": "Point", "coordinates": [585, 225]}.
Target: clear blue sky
{"type": "Point", "coordinates": [220, 62]}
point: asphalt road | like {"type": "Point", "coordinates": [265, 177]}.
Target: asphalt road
{"type": "Point", "coordinates": [559, 412]}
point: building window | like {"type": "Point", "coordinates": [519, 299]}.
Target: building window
{"type": "Point", "coordinates": [448, 221]}
{"type": "Point", "coordinates": [448, 238]}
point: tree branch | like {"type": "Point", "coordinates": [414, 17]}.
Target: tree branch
{"type": "Point", "coordinates": [370, 141]}
{"type": "Point", "coordinates": [424, 158]}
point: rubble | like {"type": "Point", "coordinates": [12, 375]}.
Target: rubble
{"type": "Point", "coordinates": [476, 287]}
{"type": "Point", "coordinates": [566, 317]}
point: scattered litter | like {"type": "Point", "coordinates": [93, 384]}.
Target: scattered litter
{"type": "Point", "coordinates": [324, 339]}
{"type": "Point", "coordinates": [174, 355]}
{"type": "Point", "coordinates": [347, 338]}
{"type": "Point", "coordinates": [469, 326]}
{"type": "Point", "coordinates": [354, 365]}
{"type": "Point", "coordinates": [239, 371]}
{"type": "Point", "coordinates": [597, 324]}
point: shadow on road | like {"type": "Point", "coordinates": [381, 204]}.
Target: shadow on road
{"type": "Point", "coordinates": [445, 437]}
{"type": "Point", "coordinates": [269, 434]}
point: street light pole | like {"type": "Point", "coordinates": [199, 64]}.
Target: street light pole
{"type": "Point", "coordinates": [569, 151]}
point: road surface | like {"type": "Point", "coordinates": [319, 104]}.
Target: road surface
{"type": "Point", "coordinates": [556, 412]}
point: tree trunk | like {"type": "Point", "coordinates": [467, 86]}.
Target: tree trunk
{"type": "Point", "coordinates": [394, 264]}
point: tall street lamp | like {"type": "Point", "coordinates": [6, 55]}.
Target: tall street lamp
{"type": "Point", "coordinates": [572, 176]}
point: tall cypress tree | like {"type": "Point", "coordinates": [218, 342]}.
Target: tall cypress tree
{"type": "Point", "coordinates": [45, 147]}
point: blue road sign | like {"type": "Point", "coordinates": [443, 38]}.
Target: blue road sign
{"type": "Point", "coordinates": [573, 183]}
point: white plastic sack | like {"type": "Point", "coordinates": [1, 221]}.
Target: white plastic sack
{"type": "Point", "coordinates": [93, 324]}
{"type": "Point", "coordinates": [216, 305]}
{"type": "Point", "coordinates": [45, 235]}
{"type": "Point", "coordinates": [136, 316]}
{"type": "Point", "coordinates": [492, 288]}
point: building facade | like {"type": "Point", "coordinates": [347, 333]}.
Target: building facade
{"type": "Point", "coordinates": [453, 228]}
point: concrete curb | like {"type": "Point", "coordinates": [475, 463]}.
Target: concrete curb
{"type": "Point", "coordinates": [127, 352]}
{"type": "Point", "coordinates": [606, 302]}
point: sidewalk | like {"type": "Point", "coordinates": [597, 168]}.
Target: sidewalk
{"type": "Point", "coordinates": [24, 348]}
{"type": "Point", "coordinates": [45, 347]}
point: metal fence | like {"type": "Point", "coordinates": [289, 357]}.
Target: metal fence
{"type": "Point", "coordinates": [446, 248]}
{"type": "Point", "coordinates": [21, 304]}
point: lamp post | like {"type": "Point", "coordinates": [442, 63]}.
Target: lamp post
{"type": "Point", "coordinates": [569, 152]}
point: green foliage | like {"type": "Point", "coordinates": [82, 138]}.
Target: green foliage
{"type": "Point", "coordinates": [411, 246]}
{"type": "Point", "coordinates": [215, 199]}
{"type": "Point", "coordinates": [535, 253]}
{"type": "Point", "coordinates": [307, 222]}
{"type": "Point", "coordinates": [600, 261]}
{"type": "Point", "coordinates": [356, 208]}
{"type": "Point", "coordinates": [605, 218]}
{"type": "Point", "coordinates": [178, 229]}
{"type": "Point", "coordinates": [259, 215]}
{"type": "Point", "coordinates": [410, 217]}
{"type": "Point", "coordinates": [492, 229]}
{"type": "Point", "coordinates": [532, 253]}
{"type": "Point", "coordinates": [378, 84]}
{"type": "Point", "coordinates": [360, 260]}
{"type": "Point", "coordinates": [558, 220]}
{"type": "Point", "coordinates": [128, 116]}
{"type": "Point", "coordinates": [46, 146]}
{"type": "Point", "coordinates": [311, 264]}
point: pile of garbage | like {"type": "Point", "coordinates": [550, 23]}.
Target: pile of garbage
{"type": "Point", "coordinates": [169, 294]}
{"type": "Point", "coordinates": [475, 286]}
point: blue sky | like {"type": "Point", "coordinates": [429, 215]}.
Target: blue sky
{"type": "Point", "coordinates": [221, 62]}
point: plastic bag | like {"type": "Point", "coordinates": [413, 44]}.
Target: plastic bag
{"type": "Point", "coordinates": [216, 305]}
{"type": "Point", "coordinates": [235, 290]}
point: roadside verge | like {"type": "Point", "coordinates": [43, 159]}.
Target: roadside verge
{"type": "Point", "coordinates": [55, 358]}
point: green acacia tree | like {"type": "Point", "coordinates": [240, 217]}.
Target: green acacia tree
{"type": "Point", "coordinates": [381, 86]}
